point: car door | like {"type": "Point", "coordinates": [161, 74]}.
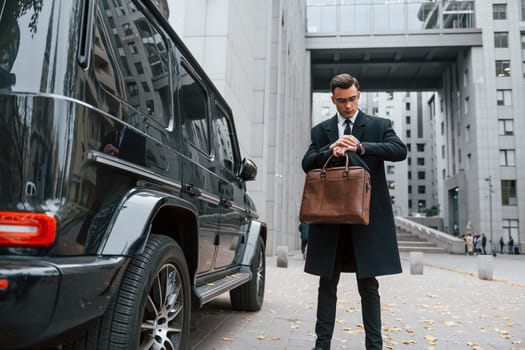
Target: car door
{"type": "Point", "coordinates": [232, 209]}
{"type": "Point", "coordinates": [200, 183]}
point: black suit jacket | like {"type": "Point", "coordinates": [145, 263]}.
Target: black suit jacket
{"type": "Point", "coordinates": [374, 246]}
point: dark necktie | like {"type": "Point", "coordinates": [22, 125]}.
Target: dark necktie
{"type": "Point", "coordinates": [348, 127]}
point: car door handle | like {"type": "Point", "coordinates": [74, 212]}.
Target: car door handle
{"type": "Point", "coordinates": [226, 203]}
{"type": "Point", "coordinates": [192, 190]}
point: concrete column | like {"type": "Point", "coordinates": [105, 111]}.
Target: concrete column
{"type": "Point", "coordinates": [486, 267]}
{"type": "Point", "coordinates": [282, 256]}
{"type": "Point", "coordinates": [416, 263]}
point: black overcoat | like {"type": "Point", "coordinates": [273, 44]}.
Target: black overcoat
{"type": "Point", "coordinates": [374, 245]}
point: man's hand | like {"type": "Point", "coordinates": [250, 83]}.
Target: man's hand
{"type": "Point", "coordinates": [346, 143]}
{"type": "Point", "coordinates": [110, 149]}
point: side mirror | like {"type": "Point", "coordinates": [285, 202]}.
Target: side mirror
{"type": "Point", "coordinates": [248, 170]}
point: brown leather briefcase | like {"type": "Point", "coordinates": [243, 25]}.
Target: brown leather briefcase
{"type": "Point", "coordinates": [339, 195]}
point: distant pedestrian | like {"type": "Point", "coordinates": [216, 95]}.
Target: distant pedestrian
{"type": "Point", "coordinates": [501, 244]}
{"type": "Point", "coordinates": [511, 244]}
{"type": "Point", "coordinates": [484, 243]}
{"type": "Point", "coordinates": [470, 244]}
{"type": "Point", "coordinates": [303, 229]}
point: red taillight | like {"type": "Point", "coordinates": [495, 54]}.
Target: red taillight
{"type": "Point", "coordinates": [27, 229]}
{"type": "Point", "coordinates": [4, 283]}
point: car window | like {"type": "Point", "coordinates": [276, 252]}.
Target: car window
{"type": "Point", "coordinates": [194, 109]}
{"type": "Point", "coordinates": [223, 130]}
{"type": "Point", "coordinates": [131, 60]}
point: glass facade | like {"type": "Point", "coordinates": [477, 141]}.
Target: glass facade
{"type": "Point", "coordinates": [380, 16]}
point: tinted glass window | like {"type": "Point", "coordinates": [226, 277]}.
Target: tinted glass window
{"type": "Point", "coordinates": [194, 109]}
{"type": "Point", "coordinates": [224, 140]}
{"type": "Point", "coordinates": [138, 71]}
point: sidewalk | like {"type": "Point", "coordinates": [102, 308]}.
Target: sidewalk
{"type": "Point", "coordinates": [447, 307]}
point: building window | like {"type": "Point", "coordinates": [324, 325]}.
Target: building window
{"type": "Point", "coordinates": [466, 105]}
{"type": "Point", "coordinates": [499, 11]}
{"type": "Point", "coordinates": [391, 185]}
{"type": "Point", "coordinates": [465, 77]}
{"type": "Point", "coordinates": [132, 47]}
{"type": "Point", "coordinates": [501, 39]}
{"type": "Point", "coordinates": [510, 228]}
{"type": "Point", "coordinates": [506, 127]}
{"type": "Point", "coordinates": [390, 169]}
{"type": "Point", "coordinates": [127, 29]}
{"type": "Point", "coordinates": [409, 160]}
{"type": "Point", "coordinates": [408, 134]}
{"type": "Point", "coordinates": [422, 204]}
{"type": "Point", "coordinates": [407, 106]}
{"type": "Point", "coordinates": [469, 161]}
{"type": "Point", "coordinates": [409, 147]}
{"type": "Point", "coordinates": [132, 88]}
{"type": "Point", "coordinates": [503, 68]}
{"type": "Point", "coordinates": [508, 192]}
{"type": "Point", "coordinates": [420, 147]}
{"type": "Point", "coordinates": [504, 97]}
{"type": "Point", "coordinates": [443, 152]}
{"type": "Point", "coordinates": [442, 127]}
{"type": "Point", "coordinates": [421, 175]}
{"type": "Point", "coordinates": [139, 68]}
{"type": "Point", "coordinates": [507, 157]}
{"type": "Point", "coordinates": [409, 189]}
{"type": "Point", "coordinates": [420, 161]}
{"type": "Point", "coordinates": [410, 175]}
{"type": "Point", "coordinates": [407, 118]}
{"type": "Point", "coordinates": [421, 189]}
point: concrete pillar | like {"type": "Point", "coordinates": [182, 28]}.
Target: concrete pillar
{"type": "Point", "coordinates": [416, 263]}
{"type": "Point", "coordinates": [486, 267]}
{"type": "Point", "coordinates": [282, 256]}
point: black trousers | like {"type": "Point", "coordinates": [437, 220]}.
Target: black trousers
{"type": "Point", "coordinates": [326, 308]}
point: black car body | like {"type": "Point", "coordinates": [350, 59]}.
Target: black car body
{"type": "Point", "coordinates": [122, 189]}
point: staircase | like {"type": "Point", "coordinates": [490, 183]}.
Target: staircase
{"type": "Point", "coordinates": [410, 242]}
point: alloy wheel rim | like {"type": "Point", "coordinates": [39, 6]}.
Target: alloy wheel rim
{"type": "Point", "coordinates": [163, 317]}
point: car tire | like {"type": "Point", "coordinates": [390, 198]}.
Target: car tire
{"type": "Point", "coordinates": [151, 310]}
{"type": "Point", "coordinates": [250, 296]}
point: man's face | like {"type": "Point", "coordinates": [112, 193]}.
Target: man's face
{"type": "Point", "coordinates": [346, 101]}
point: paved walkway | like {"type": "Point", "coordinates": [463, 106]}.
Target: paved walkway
{"type": "Point", "coordinates": [448, 307]}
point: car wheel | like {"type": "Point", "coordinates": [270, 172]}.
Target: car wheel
{"type": "Point", "coordinates": [152, 308]}
{"type": "Point", "coordinates": [250, 296]}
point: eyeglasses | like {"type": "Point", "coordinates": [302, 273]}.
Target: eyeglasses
{"type": "Point", "coordinates": [344, 101]}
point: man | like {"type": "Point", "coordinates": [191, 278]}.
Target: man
{"type": "Point", "coordinates": [369, 250]}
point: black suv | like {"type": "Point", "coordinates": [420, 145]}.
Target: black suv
{"type": "Point", "coordinates": [122, 190]}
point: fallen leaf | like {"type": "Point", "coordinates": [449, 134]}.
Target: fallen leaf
{"type": "Point", "coordinates": [261, 337]}
{"type": "Point", "coordinates": [227, 339]}
{"type": "Point", "coordinates": [407, 342]}
{"type": "Point", "coordinates": [431, 340]}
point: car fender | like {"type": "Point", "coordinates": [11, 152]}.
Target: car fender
{"type": "Point", "coordinates": [130, 227]}
{"type": "Point", "coordinates": [257, 229]}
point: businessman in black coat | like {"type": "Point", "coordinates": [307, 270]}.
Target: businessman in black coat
{"type": "Point", "coordinates": [368, 250]}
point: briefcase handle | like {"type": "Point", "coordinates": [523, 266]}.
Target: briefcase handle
{"type": "Point", "coordinates": [323, 170]}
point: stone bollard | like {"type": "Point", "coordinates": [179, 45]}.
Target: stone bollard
{"type": "Point", "coordinates": [282, 256]}
{"type": "Point", "coordinates": [416, 263]}
{"type": "Point", "coordinates": [486, 267]}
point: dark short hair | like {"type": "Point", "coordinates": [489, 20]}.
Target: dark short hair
{"type": "Point", "coordinates": [343, 81]}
